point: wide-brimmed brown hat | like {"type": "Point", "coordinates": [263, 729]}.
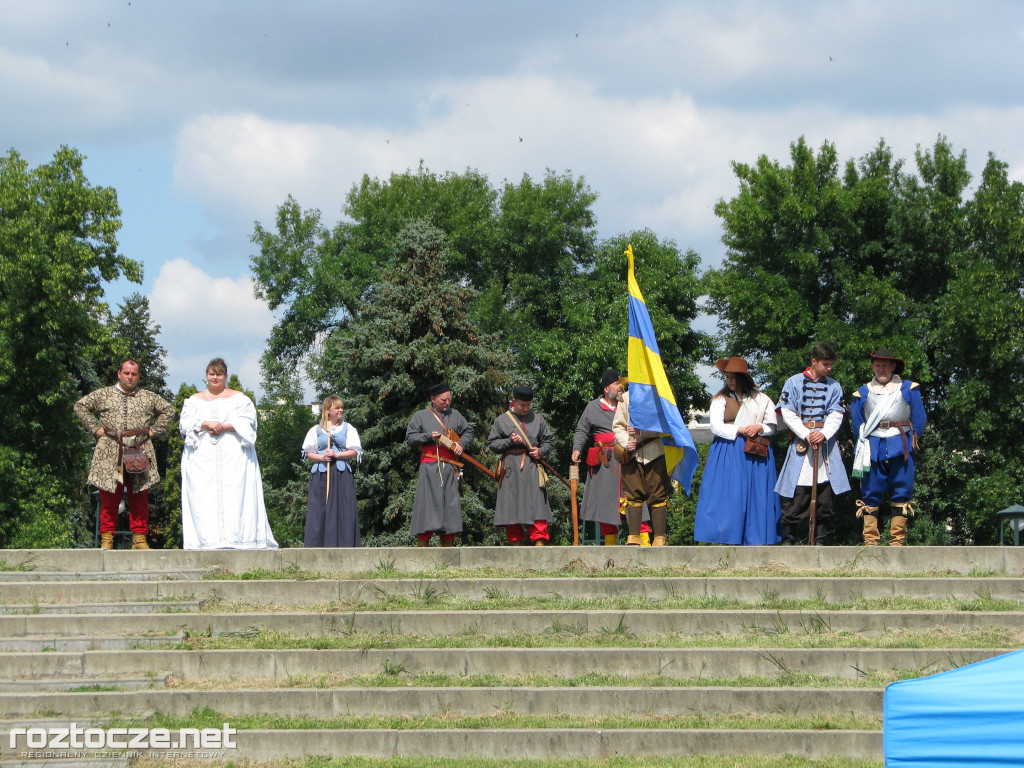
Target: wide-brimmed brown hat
{"type": "Point", "coordinates": [733, 365]}
{"type": "Point", "coordinates": [884, 354]}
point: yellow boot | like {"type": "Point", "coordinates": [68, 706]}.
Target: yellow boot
{"type": "Point", "coordinates": [107, 540]}
{"type": "Point", "coordinates": [897, 530]}
{"type": "Point", "coordinates": [871, 534]}
{"type": "Point", "coordinates": [870, 515]}
{"type": "Point", "coordinates": [611, 540]}
{"type": "Point", "coordinates": [139, 541]}
{"type": "Point", "coordinates": [540, 543]}
{"type": "Point", "coordinates": [645, 539]}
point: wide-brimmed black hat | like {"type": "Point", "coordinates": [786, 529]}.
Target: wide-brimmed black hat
{"type": "Point", "coordinates": [884, 354]}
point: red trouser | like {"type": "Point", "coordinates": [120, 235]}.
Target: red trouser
{"type": "Point", "coordinates": [538, 531]}
{"type": "Point", "coordinates": [138, 509]}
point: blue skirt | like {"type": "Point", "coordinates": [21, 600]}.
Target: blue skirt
{"type": "Point", "coordinates": [737, 502]}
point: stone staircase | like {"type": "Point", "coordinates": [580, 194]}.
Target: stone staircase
{"type": "Point", "coordinates": [555, 652]}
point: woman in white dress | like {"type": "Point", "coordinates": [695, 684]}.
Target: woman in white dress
{"type": "Point", "coordinates": [221, 488]}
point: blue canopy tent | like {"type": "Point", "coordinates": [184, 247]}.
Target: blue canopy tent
{"type": "Point", "coordinates": [971, 716]}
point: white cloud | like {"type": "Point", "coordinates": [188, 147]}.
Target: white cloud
{"type": "Point", "coordinates": [203, 317]}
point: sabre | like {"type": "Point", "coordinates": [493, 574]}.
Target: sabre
{"type": "Point", "coordinates": [814, 495]}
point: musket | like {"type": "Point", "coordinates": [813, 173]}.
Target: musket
{"type": "Point", "coordinates": [574, 486]}
{"type": "Point", "coordinates": [448, 443]}
{"type": "Point", "coordinates": [555, 473]}
{"type": "Point", "coordinates": [813, 509]}
{"type": "Point", "coordinates": [526, 439]}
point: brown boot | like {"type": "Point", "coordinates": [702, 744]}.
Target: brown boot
{"type": "Point", "coordinates": [446, 542]}
{"type": "Point", "coordinates": [897, 530]}
{"type": "Point", "coordinates": [422, 542]}
{"type": "Point", "coordinates": [139, 541]}
{"type": "Point", "coordinates": [871, 534]}
{"type": "Point", "coordinates": [107, 540]}
{"type": "Point", "coordinates": [633, 541]}
{"type": "Point", "coordinates": [659, 520]}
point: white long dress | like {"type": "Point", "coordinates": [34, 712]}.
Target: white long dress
{"type": "Point", "coordinates": [221, 488]}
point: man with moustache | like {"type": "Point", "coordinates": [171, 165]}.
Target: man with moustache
{"type": "Point", "coordinates": [888, 416]}
{"type": "Point", "coordinates": [594, 443]}
{"type": "Point", "coordinates": [522, 437]}
{"type": "Point", "coordinates": [437, 507]}
{"type": "Point", "coordinates": [106, 413]}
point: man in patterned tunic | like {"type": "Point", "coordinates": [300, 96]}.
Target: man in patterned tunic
{"type": "Point", "coordinates": [522, 437]}
{"type": "Point", "coordinates": [888, 416]}
{"type": "Point", "coordinates": [811, 405]}
{"type": "Point", "coordinates": [437, 507]}
{"type": "Point", "coordinates": [106, 413]}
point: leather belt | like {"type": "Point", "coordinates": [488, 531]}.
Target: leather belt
{"type": "Point", "coordinates": [902, 427]}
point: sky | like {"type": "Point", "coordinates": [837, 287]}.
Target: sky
{"type": "Point", "coordinates": [205, 115]}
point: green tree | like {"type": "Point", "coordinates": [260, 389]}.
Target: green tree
{"type": "Point", "coordinates": [171, 482]}
{"type": "Point", "coordinates": [556, 299]}
{"type": "Point", "coordinates": [412, 330]}
{"type": "Point", "coordinates": [57, 246]}
{"type": "Point", "coordinates": [877, 256]}
{"type": "Point", "coordinates": [283, 422]}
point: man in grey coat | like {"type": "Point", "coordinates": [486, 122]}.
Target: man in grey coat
{"type": "Point", "coordinates": [437, 507]}
{"type": "Point", "coordinates": [522, 437]}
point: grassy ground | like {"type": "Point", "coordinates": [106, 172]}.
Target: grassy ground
{"type": "Point", "coordinates": [429, 597]}
{"type": "Point", "coordinates": [570, 636]}
{"type": "Point", "coordinates": [507, 719]}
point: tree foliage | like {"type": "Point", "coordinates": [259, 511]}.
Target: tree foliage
{"type": "Point", "coordinates": [878, 256]}
{"type": "Point", "coordinates": [538, 281]}
{"type": "Point", "coordinates": [57, 246]}
{"type": "Point", "coordinates": [412, 330]}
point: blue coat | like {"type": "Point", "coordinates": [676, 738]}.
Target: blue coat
{"type": "Point", "coordinates": [812, 401]}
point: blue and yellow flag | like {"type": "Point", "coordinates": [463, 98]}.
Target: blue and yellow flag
{"type": "Point", "coordinates": [652, 406]}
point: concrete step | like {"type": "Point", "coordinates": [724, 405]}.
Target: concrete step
{"type": "Point", "coordinates": [555, 743]}
{"type": "Point", "coordinates": [67, 762]}
{"type": "Point", "coordinates": [675, 663]}
{"type": "Point", "coordinates": [338, 702]}
{"type": "Point", "coordinates": [165, 627]}
{"type": "Point", "coordinates": [499, 743]}
{"type": "Point", "coordinates": [30, 597]}
{"type": "Point", "coordinates": [86, 642]}
{"type": "Point", "coordinates": [169, 575]}
{"type": "Point", "coordinates": [120, 607]}
{"type": "Point", "coordinates": [47, 684]}
{"type": "Point", "coordinates": [1007, 561]}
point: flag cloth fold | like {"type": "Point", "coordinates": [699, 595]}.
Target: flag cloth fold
{"type": "Point", "coordinates": [652, 406]}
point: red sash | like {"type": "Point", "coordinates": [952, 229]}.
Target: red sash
{"type": "Point", "coordinates": [432, 452]}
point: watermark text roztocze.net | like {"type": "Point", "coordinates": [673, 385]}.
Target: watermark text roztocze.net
{"type": "Point", "coordinates": [78, 737]}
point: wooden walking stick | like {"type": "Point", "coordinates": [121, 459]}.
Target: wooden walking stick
{"type": "Point", "coordinates": [574, 486]}
{"type": "Point", "coordinates": [814, 494]}
{"type": "Point", "coordinates": [327, 496]}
